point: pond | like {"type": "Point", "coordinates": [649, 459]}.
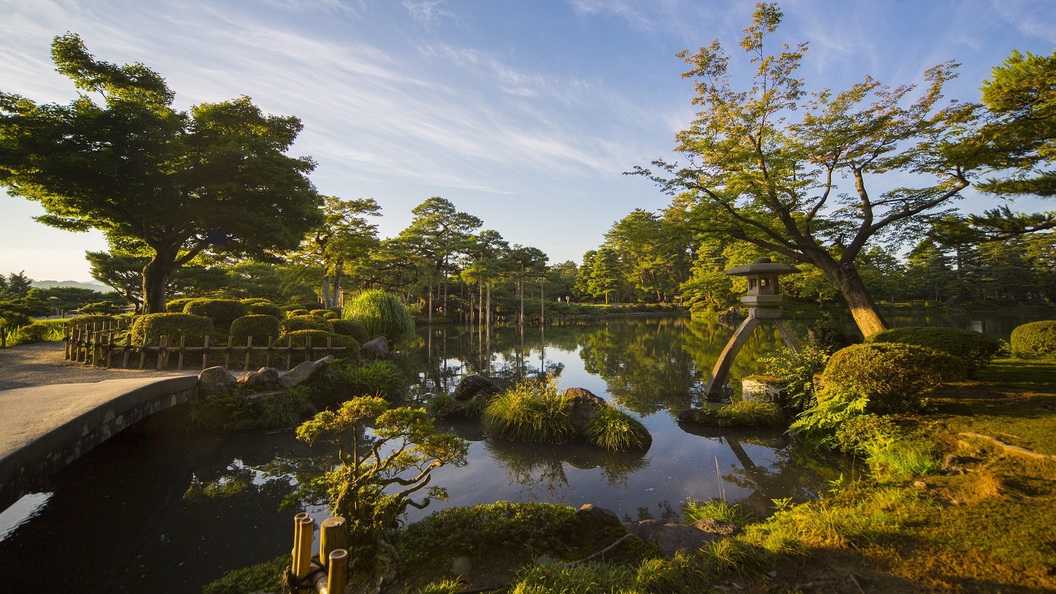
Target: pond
{"type": "Point", "coordinates": [160, 510]}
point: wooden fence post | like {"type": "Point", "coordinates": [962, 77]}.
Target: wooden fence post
{"type": "Point", "coordinates": [179, 359]}
{"type": "Point", "coordinates": [205, 352]}
{"type": "Point", "coordinates": [143, 353]}
{"type": "Point", "coordinates": [249, 352]}
{"type": "Point", "coordinates": [227, 354]}
{"type": "Point", "coordinates": [128, 350]}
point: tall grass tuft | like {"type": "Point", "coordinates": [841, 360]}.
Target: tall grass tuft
{"type": "Point", "coordinates": [615, 430]}
{"type": "Point", "coordinates": [751, 413]}
{"type": "Point", "coordinates": [381, 314]}
{"type": "Point", "coordinates": [716, 509]}
{"type": "Point", "coordinates": [530, 411]}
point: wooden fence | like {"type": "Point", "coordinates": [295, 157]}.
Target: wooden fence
{"type": "Point", "coordinates": [99, 345]}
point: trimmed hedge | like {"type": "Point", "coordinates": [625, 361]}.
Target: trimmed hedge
{"type": "Point", "coordinates": [295, 323]}
{"type": "Point", "coordinates": [264, 307]}
{"type": "Point", "coordinates": [975, 348]}
{"type": "Point", "coordinates": [299, 338]}
{"type": "Point", "coordinates": [894, 377]}
{"type": "Point", "coordinates": [352, 328]}
{"type": "Point", "coordinates": [153, 326]}
{"type": "Point", "coordinates": [176, 305]}
{"type": "Point", "coordinates": [36, 332]}
{"type": "Point", "coordinates": [221, 311]}
{"type": "Point", "coordinates": [97, 319]}
{"type": "Point", "coordinates": [1035, 339]}
{"type": "Point", "coordinates": [259, 326]}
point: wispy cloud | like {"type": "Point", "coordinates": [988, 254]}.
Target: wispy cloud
{"type": "Point", "coordinates": [427, 12]}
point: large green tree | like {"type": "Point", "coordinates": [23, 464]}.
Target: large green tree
{"type": "Point", "coordinates": [121, 159]}
{"type": "Point", "coordinates": [344, 240]}
{"type": "Point", "coordinates": [765, 162]}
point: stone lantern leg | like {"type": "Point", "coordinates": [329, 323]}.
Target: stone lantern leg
{"type": "Point", "coordinates": [764, 302]}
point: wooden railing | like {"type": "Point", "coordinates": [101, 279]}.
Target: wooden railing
{"type": "Point", "coordinates": [99, 345]}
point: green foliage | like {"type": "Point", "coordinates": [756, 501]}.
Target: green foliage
{"type": "Point", "coordinates": [318, 338]}
{"type": "Point", "coordinates": [797, 370]}
{"type": "Point", "coordinates": [235, 411]}
{"type": "Point", "coordinates": [151, 327]}
{"type": "Point", "coordinates": [381, 314]}
{"type": "Point", "coordinates": [739, 413]}
{"type": "Point", "coordinates": [615, 430]}
{"type": "Point", "coordinates": [519, 530]}
{"type": "Point", "coordinates": [892, 377]}
{"type": "Point", "coordinates": [263, 577]}
{"type": "Point", "coordinates": [975, 348]}
{"type": "Point", "coordinates": [352, 328]}
{"type": "Point", "coordinates": [97, 320]}
{"type": "Point", "coordinates": [101, 307]}
{"type": "Point", "coordinates": [221, 311]}
{"type": "Point", "coordinates": [38, 332]}
{"type": "Point", "coordinates": [377, 475]}
{"type": "Point", "coordinates": [695, 510]}
{"type": "Point", "coordinates": [264, 307]}
{"type": "Point", "coordinates": [1035, 339]}
{"type": "Point", "coordinates": [176, 305]}
{"type": "Point", "coordinates": [342, 380]}
{"type": "Point", "coordinates": [260, 326]}
{"type": "Point", "coordinates": [304, 322]}
{"type": "Point", "coordinates": [530, 411]}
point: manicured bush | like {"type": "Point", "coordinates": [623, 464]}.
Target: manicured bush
{"type": "Point", "coordinates": [264, 307]}
{"type": "Point", "coordinates": [221, 311]}
{"type": "Point", "coordinates": [100, 307]}
{"type": "Point", "coordinates": [174, 325]}
{"type": "Point", "coordinates": [893, 377]}
{"type": "Point", "coordinates": [176, 305]}
{"type": "Point", "coordinates": [259, 326]}
{"type": "Point", "coordinates": [530, 411]}
{"type": "Point", "coordinates": [295, 323]}
{"type": "Point", "coordinates": [975, 348]}
{"type": "Point", "coordinates": [352, 328]}
{"type": "Point", "coordinates": [97, 320]}
{"type": "Point", "coordinates": [300, 338]}
{"type": "Point", "coordinates": [328, 314]}
{"type": "Point", "coordinates": [1035, 339]}
{"type": "Point", "coordinates": [381, 313]}
{"type": "Point", "coordinates": [615, 430]}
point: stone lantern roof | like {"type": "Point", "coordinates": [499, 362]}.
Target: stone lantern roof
{"type": "Point", "coordinates": [763, 288]}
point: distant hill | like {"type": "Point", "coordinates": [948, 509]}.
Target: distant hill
{"type": "Point", "coordinates": [50, 284]}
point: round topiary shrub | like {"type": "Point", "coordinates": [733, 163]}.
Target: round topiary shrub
{"type": "Point", "coordinates": [351, 328]}
{"type": "Point", "coordinates": [1035, 339]}
{"type": "Point", "coordinates": [260, 327]}
{"type": "Point", "coordinates": [176, 305]}
{"type": "Point", "coordinates": [975, 348]}
{"type": "Point", "coordinates": [893, 377]}
{"type": "Point", "coordinates": [328, 314]}
{"type": "Point", "coordinates": [98, 320]}
{"type": "Point", "coordinates": [151, 327]}
{"type": "Point", "coordinates": [221, 311]}
{"type": "Point", "coordinates": [381, 314]}
{"type": "Point", "coordinates": [318, 338]}
{"type": "Point", "coordinates": [264, 307]}
{"type": "Point", "coordinates": [295, 323]}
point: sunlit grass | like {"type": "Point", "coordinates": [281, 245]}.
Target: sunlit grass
{"type": "Point", "coordinates": [530, 411]}
{"type": "Point", "coordinates": [615, 430]}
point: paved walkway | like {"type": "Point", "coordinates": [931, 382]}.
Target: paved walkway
{"type": "Point", "coordinates": [52, 410]}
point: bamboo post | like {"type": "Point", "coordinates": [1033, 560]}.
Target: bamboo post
{"type": "Point", "coordinates": [205, 352]}
{"type": "Point", "coordinates": [128, 350]}
{"type": "Point", "coordinates": [331, 536]}
{"type": "Point", "coordinates": [338, 571]}
{"type": "Point", "coordinates": [179, 358]}
{"type": "Point", "coordinates": [227, 354]}
{"type": "Point", "coordinates": [302, 547]}
{"type": "Point", "coordinates": [249, 352]}
{"type": "Point", "coordinates": [308, 348]}
{"type": "Point", "coordinates": [267, 352]}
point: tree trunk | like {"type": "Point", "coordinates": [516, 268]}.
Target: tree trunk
{"type": "Point", "coordinates": [866, 315]}
{"type": "Point", "coordinates": [324, 290]}
{"type": "Point", "coordinates": [155, 277]}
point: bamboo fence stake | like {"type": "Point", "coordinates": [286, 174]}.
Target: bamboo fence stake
{"type": "Point", "coordinates": [110, 349]}
{"type": "Point", "coordinates": [302, 565]}
{"type": "Point", "coordinates": [179, 359]}
{"type": "Point", "coordinates": [227, 354]}
{"type": "Point", "coordinates": [331, 536]}
{"type": "Point", "coordinates": [128, 350]}
{"type": "Point", "coordinates": [143, 353]}
{"type": "Point", "coordinates": [163, 344]}
{"type": "Point", "coordinates": [338, 571]}
{"type": "Point", "coordinates": [205, 352]}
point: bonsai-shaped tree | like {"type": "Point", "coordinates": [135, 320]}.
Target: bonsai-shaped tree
{"type": "Point", "coordinates": [378, 475]}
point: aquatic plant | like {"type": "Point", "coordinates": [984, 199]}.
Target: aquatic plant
{"type": "Point", "coordinates": [613, 429]}
{"type": "Point", "coordinates": [532, 410]}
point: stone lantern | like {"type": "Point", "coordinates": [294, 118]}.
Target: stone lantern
{"type": "Point", "coordinates": [764, 301]}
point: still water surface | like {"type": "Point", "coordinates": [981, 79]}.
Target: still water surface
{"type": "Point", "coordinates": [130, 515]}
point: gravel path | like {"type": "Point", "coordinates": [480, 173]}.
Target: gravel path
{"type": "Point", "coordinates": [44, 363]}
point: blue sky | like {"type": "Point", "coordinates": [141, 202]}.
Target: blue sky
{"type": "Point", "coordinates": [523, 113]}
